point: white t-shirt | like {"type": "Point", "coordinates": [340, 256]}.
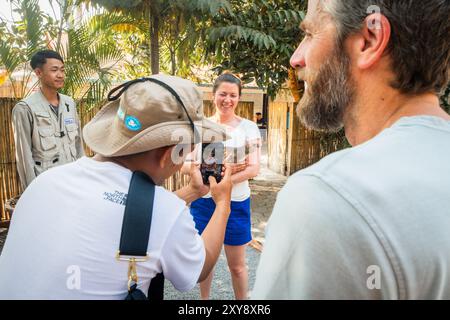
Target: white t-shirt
{"type": "Point", "coordinates": [65, 233]}
{"type": "Point", "coordinates": [246, 132]}
{"type": "Point", "coordinates": [370, 222]}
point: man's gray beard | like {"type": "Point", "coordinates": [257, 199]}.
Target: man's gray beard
{"type": "Point", "coordinates": [328, 95]}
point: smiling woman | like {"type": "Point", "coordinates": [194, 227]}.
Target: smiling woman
{"type": "Point", "coordinates": [245, 135]}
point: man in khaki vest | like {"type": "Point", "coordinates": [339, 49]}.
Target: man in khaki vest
{"type": "Point", "coordinates": [47, 130]}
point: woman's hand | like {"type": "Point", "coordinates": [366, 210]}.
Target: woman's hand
{"type": "Point", "coordinates": [237, 167]}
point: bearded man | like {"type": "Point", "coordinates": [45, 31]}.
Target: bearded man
{"type": "Point", "coordinates": [372, 221]}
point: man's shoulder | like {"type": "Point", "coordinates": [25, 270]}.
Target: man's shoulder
{"type": "Point", "coordinates": [346, 177]}
{"type": "Point", "coordinates": [169, 200]}
{"type": "Point", "coordinates": [32, 98]}
{"type": "Point", "coordinates": [327, 181]}
{"type": "Point", "coordinates": [20, 107]}
{"type": "Point", "coordinates": [66, 171]}
{"type": "Point", "coordinates": [26, 102]}
{"type": "Point", "coordinates": [32, 103]}
{"type": "Point", "coordinates": [318, 200]}
{"type": "Point", "coordinates": [310, 190]}
{"type": "Point", "coordinates": [328, 164]}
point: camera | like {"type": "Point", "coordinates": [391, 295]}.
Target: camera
{"type": "Point", "coordinates": [212, 161]}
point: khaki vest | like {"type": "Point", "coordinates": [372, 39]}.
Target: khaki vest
{"type": "Point", "coordinates": [53, 137]}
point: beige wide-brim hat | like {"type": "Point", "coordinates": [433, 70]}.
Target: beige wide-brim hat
{"type": "Point", "coordinates": [149, 116]}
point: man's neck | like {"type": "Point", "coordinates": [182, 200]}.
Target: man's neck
{"type": "Point", "coordinates": [50, 94]}
{"type": "Point", "coordinates": [374, 113]}
{"type": "Point", "coordinates": [131, 163]}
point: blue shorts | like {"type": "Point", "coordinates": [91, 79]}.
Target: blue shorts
{"type": "Point", "coordinates": [238, 230]}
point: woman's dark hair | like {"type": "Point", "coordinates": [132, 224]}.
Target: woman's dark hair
{"type": "Point", "coordinates": [40, 58]}
{"type": "Point", "coordinates": [230, 78]}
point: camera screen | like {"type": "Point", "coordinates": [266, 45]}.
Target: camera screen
{"type": "Point", "coordinates": [212, 161]}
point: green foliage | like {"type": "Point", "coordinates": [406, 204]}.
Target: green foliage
{"type": "Point", "coordinates": [257, 40]}
{"type": "Point", "coordinates": [87, 47]}
{"type": "Point", "coordinates": [114, 4]}
{"type": "Point", "coordinates": [20, 40]}
{"type": "Point", "coordinates": [205, 7]}
{"type": "Point", "coordinates": [91, 55]}
{"type": "Point", "coordinates": [179, 35]}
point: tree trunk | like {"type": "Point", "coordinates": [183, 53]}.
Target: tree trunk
{"type": "Point", "coordinates": [154, 38]}
{"type": "Point", "coordinates": [61, 24]}
{"type": "Point", "coordinates": [175, 34]}
{"type": "Point", "coordinates": [173, 61]}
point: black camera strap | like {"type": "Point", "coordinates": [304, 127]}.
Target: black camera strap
{"type": "Point", "coordinates": [134, 239]}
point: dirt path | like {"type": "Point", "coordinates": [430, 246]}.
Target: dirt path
{"type": "Point", "coordinates": [264, 193]}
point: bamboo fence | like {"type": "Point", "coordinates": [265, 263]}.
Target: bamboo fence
{"type": "Point", "coordinates": [9, 180]}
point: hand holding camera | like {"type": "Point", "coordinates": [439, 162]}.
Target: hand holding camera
{"type": "Point", "coordinates": [221, 192]}
{"type": "Point", "coordinates": [196, 182]}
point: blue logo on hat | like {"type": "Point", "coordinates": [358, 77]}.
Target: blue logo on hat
{"type": "Point", "coordinates": [132, 123]}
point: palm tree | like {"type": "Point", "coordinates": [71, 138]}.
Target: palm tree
{"type": "Point", "coordinates": [169, 25]}
{"type": "Point", "coordinates": [90, 53]}
{"type": "Point", "coordinates": [19, 42]}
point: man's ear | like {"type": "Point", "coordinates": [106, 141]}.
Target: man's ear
{"type": "Point", "coordinates": [372, 41]}
{"type": "Point", "coordinates": [165, 157]}
{"type": "Point", "coordinates": [38, 72]}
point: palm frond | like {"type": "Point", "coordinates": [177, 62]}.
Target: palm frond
{"type": "Point", "coordinates": [258, 38]}
{"type": "Point", "coordinates": [33, 24]}
{"type": "Point", "coordinates": [91, 58]}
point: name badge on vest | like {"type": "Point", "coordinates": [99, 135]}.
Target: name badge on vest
{"type": "Point", "coordinates": [69, 121]}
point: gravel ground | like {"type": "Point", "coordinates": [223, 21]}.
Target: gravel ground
{"type": "Point", "coordinates": [221, 288]}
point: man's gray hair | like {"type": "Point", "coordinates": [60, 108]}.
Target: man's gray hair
{"type": "Point", "coordinates": [420, 43]}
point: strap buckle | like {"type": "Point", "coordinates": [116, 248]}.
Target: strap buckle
{"type": "Point", "coordinates": [132, 274]}
{"type": "Point", "coordinates": [120, 257]}
{"type": "Point", "coordinates": [132, 270]}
